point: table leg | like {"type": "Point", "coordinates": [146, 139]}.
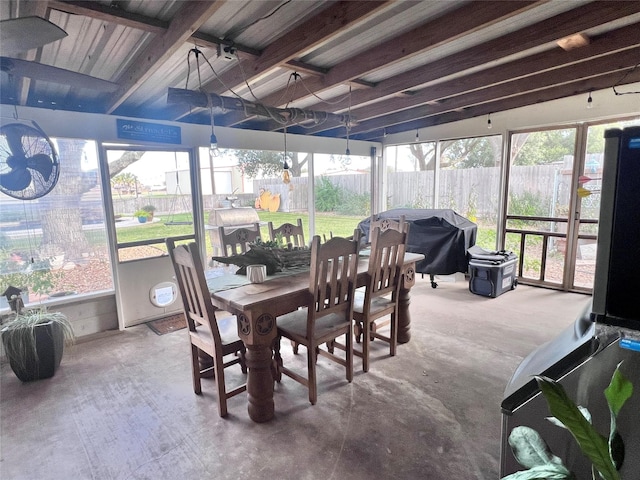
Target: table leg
{"type": "Point", "coordinates": [260, 383]}
{"type": "Point", "coordinates": [404, 318]}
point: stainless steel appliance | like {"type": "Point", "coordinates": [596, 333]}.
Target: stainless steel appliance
{"type": "Point", "coordinates": [584, 356]}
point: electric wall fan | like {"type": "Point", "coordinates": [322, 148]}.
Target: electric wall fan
{"type": "Point", "coordinates": [29, 167]}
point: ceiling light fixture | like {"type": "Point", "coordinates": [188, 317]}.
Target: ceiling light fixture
{"type": "Point", "coordinates": [589, 101]}
{"type": "Point", "coordinates": [489, 125]}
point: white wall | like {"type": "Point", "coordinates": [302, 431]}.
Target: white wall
{"type": "Point", "coordinates": [103, 128]}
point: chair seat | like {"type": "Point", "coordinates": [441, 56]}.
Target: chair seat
{"type": "Point", "coordinates": [294, 324]}
{"type": "Point", "coordinates": [378, 305]}
{"type": "Point", "coordinates": [228, 335]}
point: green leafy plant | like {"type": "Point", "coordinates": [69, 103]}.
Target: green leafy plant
{"type": "Point", "coordinates": [328, 195]}
{"type": "Point", "coordinates": [34, 276]}
{"type": "Point", "coordinates": [605, 454]}
{"type": "Point", "coordinates": [150, 209]}
{"type": "Point", "coordinates": [142, 213]}
{"type": "Point", "coordinates": [19, 338]}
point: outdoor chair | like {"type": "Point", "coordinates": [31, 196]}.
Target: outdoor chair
{"type": "Point", "coordinates": [290, 233]}
{"type": "Point", "coordinates": [377, 305]}
{"type": "Point", "coordinates": [208, 335]}
{"type": "Point", "coordinates": [328, 314]}
{"type": "Point", "coordinates": [237, 240]}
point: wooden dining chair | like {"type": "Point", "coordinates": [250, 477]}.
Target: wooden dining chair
{"type": "Point", "coordinates": [388, 223]}
{"type": "Point", "coordinates": [378, 304]}
{"type": "Point", "coordinates": [291, 234]}
{"type": "Point", "coordinates": [237, 240]}
{"type": "Point", "coordinates": [328, 314]}
{"type": "Point", "coordinates": [216, 338]}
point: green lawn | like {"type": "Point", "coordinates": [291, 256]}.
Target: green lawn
{"type": "Point", "coordinates": [338, 225]}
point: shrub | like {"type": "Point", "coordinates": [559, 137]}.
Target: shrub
{"type": "Point", "coordinates": [328, 195]}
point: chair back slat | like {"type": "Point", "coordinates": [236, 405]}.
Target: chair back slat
{"type": "Point", "coordinates": [385, 263]}
{"type": "Point", "coordinates": [237, 241]}
{"type": "Point", "coordinates": [292, 234]}
{"type": "Point", "coordinates": [332, 276]}
{"type": "Point", "coordinates": [192, 284]}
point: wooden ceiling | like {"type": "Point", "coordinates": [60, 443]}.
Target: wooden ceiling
{"type": "Point", "coordinates": [408, 64]}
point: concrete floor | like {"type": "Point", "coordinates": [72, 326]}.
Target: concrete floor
{"type": "Point", "coordinates": [122, 406]}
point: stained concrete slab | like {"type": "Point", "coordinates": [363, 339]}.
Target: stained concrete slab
{"type": "Point", "coordinates": [122, 406]}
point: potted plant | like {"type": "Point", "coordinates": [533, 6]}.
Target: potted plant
{"type": "Point", "coordinates": [34, 342]}
{"type": "Point", "coordinates": [150, 209]}
{"type": "Point", "coordinates": [142, 216]}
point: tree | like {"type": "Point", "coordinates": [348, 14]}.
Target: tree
{"type": "Point", "coordinates": [545, 147]}
{"type": "Point", "coordinates": [60, 210]}
{"type": "Point", "coordinates": [270, 164]}
{"type": "Point", "coordinates": [425, 154]}
{"type": "Point", "coordinates": [125, 182]}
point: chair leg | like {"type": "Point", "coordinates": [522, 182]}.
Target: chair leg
{"type": "Point", "coordinates": [195, 370]}
{"type": "Point", "coordinates": [312, 357]}
{"type": "Point", "coordinates": [357, 331]}
{"type": "Point", "coordinates": [393, 338]}
{"type": "Point", "coordinates": [349, 355]}
{"type": "Point", "coordinates": [366, 339]}
{"type": "Point", "coordinates": [222, 394]}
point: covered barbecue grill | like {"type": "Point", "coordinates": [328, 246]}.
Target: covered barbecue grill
{"type": "Point", "coordinates": [441, 235]}
{"type": "Point", "coordinates": [231, 219]}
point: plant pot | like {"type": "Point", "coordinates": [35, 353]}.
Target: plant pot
{"type": "Point", "coordinates": [142, 219]}
{"type": "Point", "coordinates": [49, 347]}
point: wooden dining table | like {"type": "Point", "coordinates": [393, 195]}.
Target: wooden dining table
{"type": "Point", "coordinates": [257, 305]}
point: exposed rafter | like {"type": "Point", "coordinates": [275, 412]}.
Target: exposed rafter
{"type": "Point", "coordinates": [284, 116]}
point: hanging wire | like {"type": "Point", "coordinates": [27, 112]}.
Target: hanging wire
{"type": "Point", "coordinates": [348, 123]}
{"type": "Point", "coordinates": [617, 84]}
{"type": "Point", "coordinates": [235, 33]}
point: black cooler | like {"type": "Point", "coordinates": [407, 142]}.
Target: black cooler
{"type": "Point", "coordinates": [491, 272]}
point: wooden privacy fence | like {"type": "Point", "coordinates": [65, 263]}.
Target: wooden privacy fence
{"type": "Point", "coordinates": [468, 191]}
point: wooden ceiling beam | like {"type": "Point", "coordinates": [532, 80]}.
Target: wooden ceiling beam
{"type": "Point", "coordinates": [591, 68]}
{"type": "Point", "coordinates": [576, 20]}
{"type": "Point", "coordinates": [452, 25]}
{"type": "Point", "coordinates": [184, 23]}
{"type": "Point", "coordinates": [111, 14]}
{"type": "Point", "coordinates": [605, 44]}
{"type": "Point", "coordinates": [532, 98]}
{"type": "Point", "coordinates": [314, 31]}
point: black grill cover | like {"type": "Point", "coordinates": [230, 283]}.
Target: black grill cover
{"type": "Point", "coordinates": [442, 236]}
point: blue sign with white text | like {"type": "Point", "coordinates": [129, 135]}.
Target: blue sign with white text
{"type": "Point", "coordinates": [149, 132]}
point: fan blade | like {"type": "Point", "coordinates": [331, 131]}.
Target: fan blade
{"type": "Point", "coordinates": [14, 140]}
{"type": "Point", "coordinates": [16, 180]}
{"type": "Point", "coordinates": [42, 164]}
{"type": "Point", "coordinates": [19, 35]}
{"type": "Point", "coordinates": [47, 73]}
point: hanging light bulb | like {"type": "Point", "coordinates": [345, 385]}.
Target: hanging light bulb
{"type": "Point", "coordinates": [489, 125]}
{"type": "Point", "coordinates": [347, 152]}
{"type": "Point", "coordinates": [214, 151]}
{"type": "Point", "coordinates": [347, 125]}
{"type": "Point", "coordinates": [417, 135]}
{"type": "Point", "coordinates": [589, 101]}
